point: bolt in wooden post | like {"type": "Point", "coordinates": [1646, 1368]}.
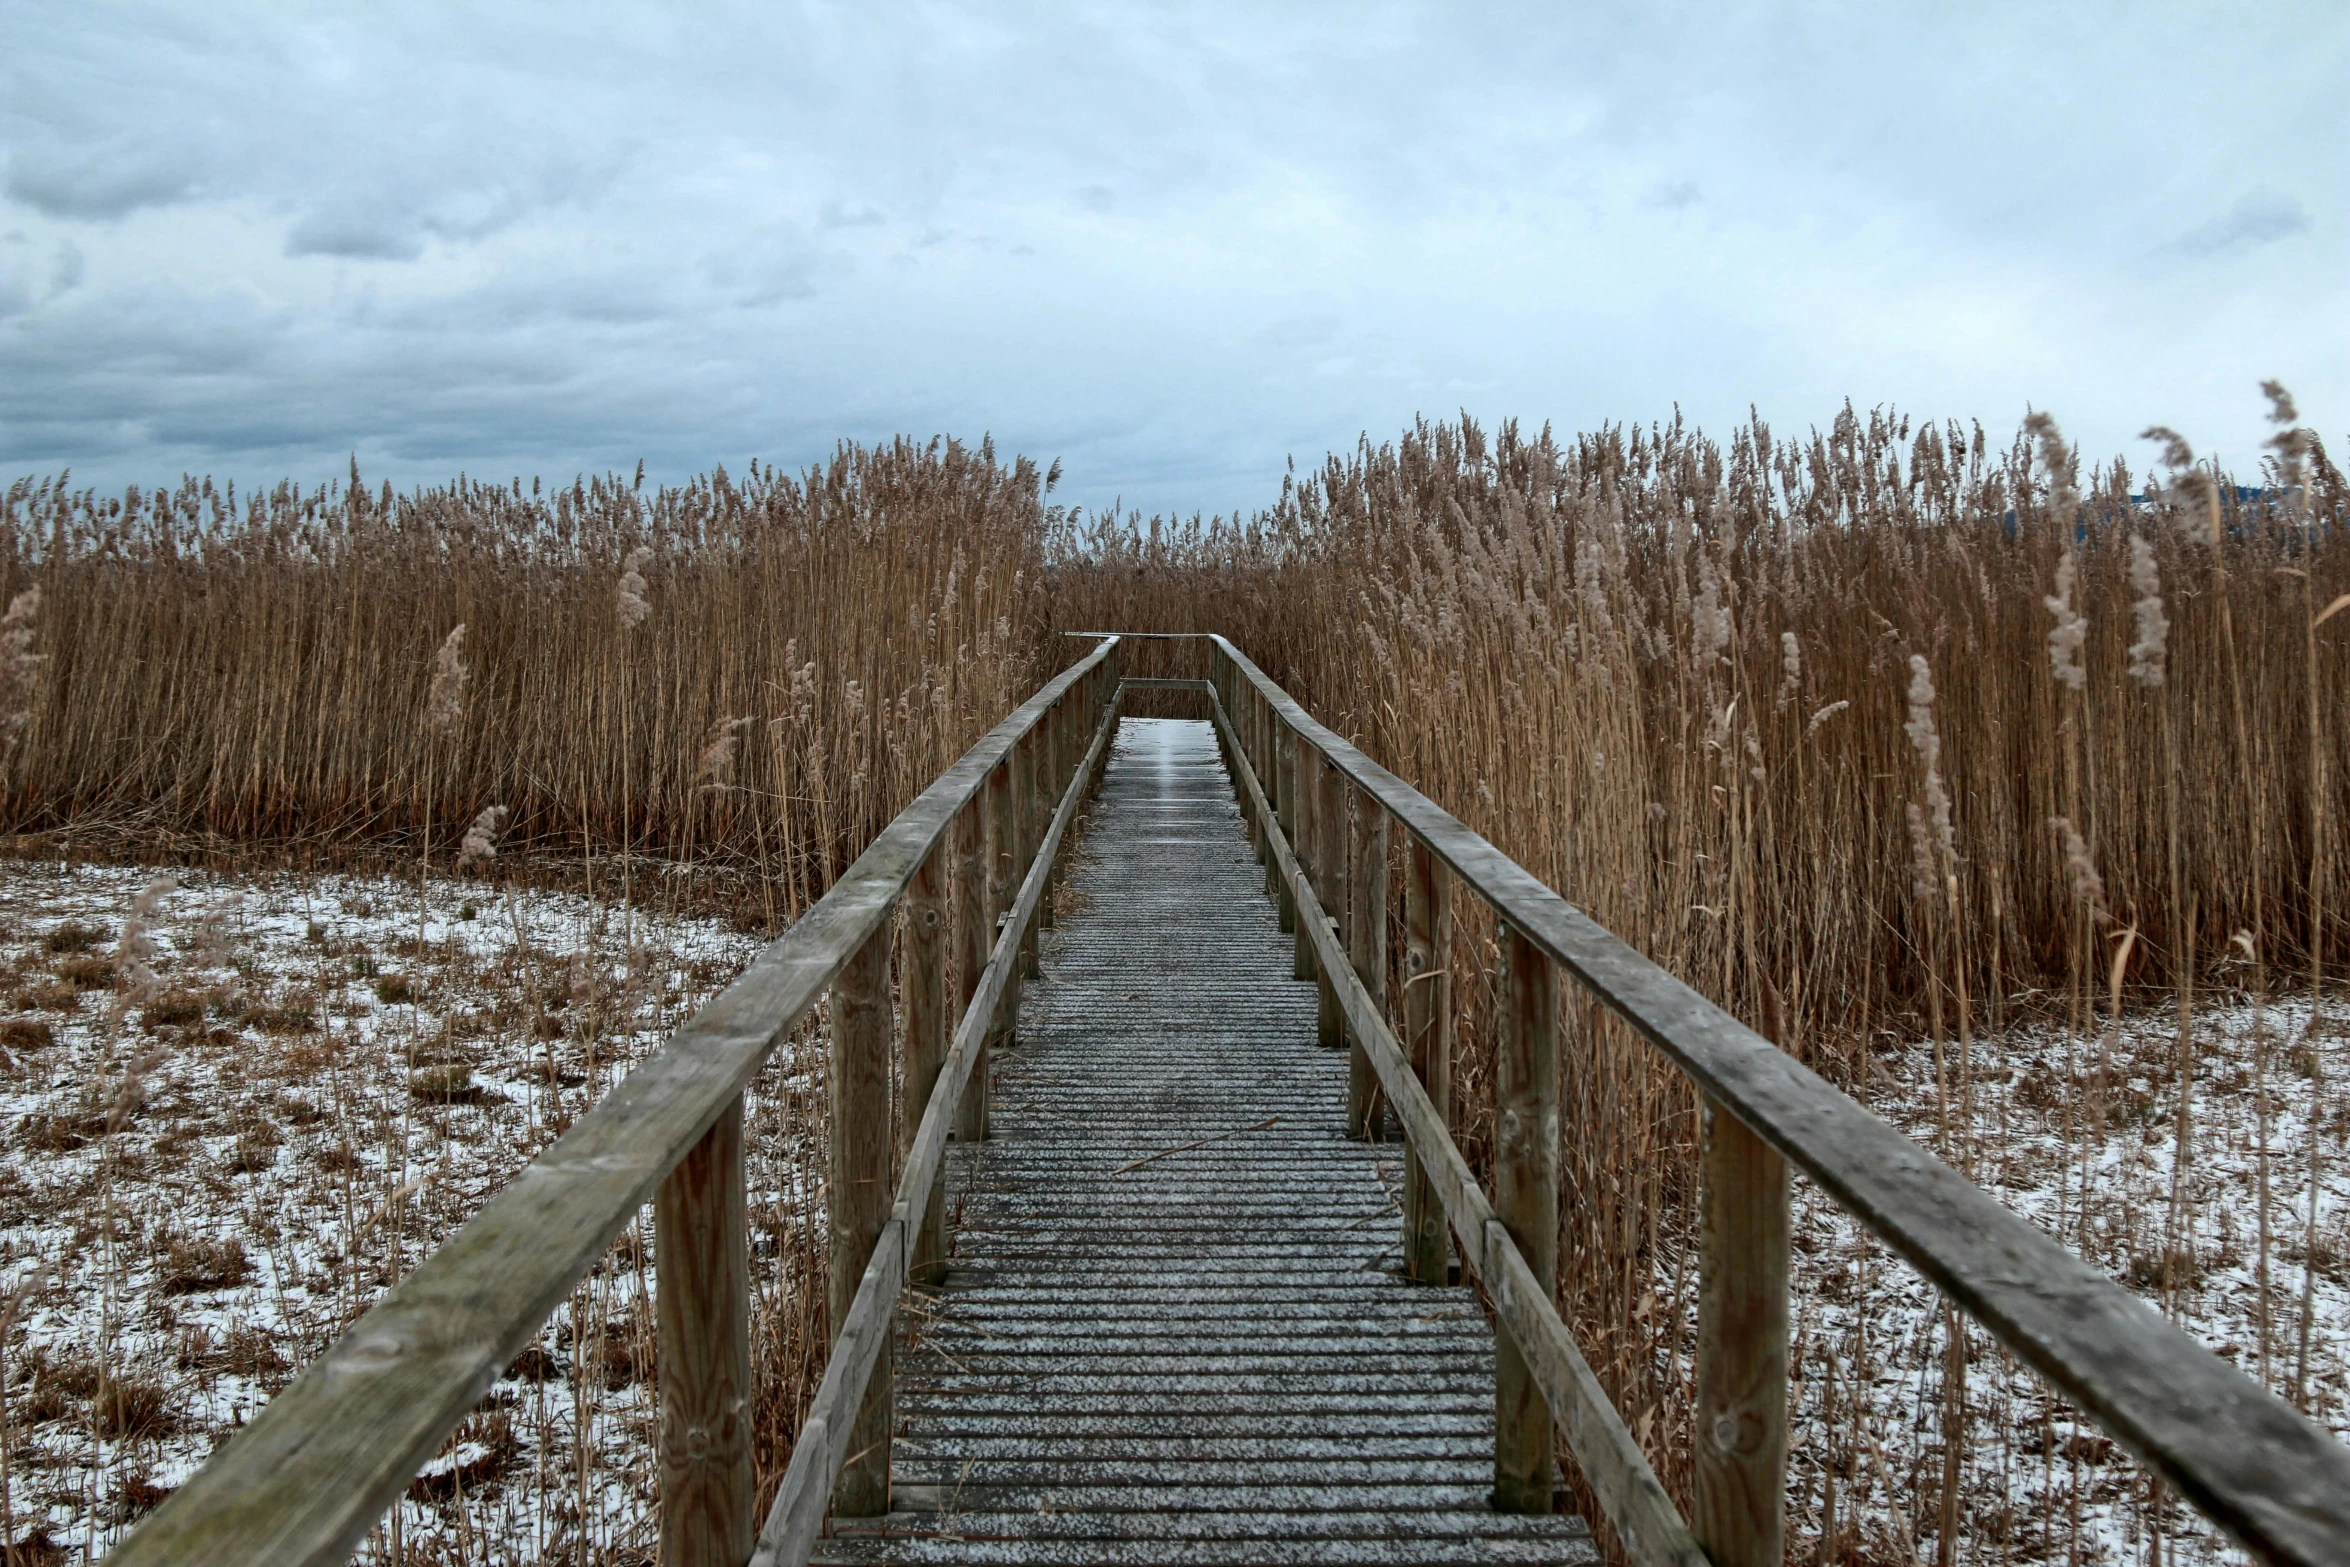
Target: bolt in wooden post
{"type": "Point", "coordinates": [703, 1312]}
{"type": "Point", "coordinates": [1526, 1200]}
{"type": "Point", "coordinates": [1427, 1039]}
{"type": "Point", "coordinates": [858, 1196]}
{"type": "Point", "coordinates": [1740, 1515]}
{"type": "Point", "coordinates": [923, 993]}
{"type": "Point", "coordinates": [1331, 815]}
{"type": "Point", "coordinates": [1367, 950]}
{"type": "Point", "coordinates": [1304, 766]}
{"type": "Point", "coordinates": [996, 799]}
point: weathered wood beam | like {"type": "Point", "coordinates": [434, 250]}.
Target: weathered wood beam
{"type": "Point", "coordinates": [856, 1197]}
{"type": "Point", "coordinates": [1366, 929]}
{"type": "Point", "coordinates": [318, 1465]}
{"type": "Point", "coordinates": [2236, 1452]}
{"type": "Point", "coordinates": [1427, 1014]}
{"type": "Point", "coordinates": [826, 1442]}
{"type": "Point", "coordinates": [1646, 1523]}
{"type": "Point", "coordinates": [922, 992]}
{"type": "Point", "coordinates": [1526, 1200]}
{"type": "Point", "coordinates": [1740, 1509]}
{"type": "Point", "coordinates": [702, 1311]}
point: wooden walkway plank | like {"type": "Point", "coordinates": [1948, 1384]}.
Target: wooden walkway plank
{"type": "Point", "coordinates": [1212, 1356]}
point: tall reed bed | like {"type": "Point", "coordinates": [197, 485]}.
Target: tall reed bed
{"type": "Point", "coordinates": [264, 667]}
{"type": "Point", "coordinates": [1839, 729]}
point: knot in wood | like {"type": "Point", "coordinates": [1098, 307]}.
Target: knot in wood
{"type": "Point", "coordinates": [1737, 1432]}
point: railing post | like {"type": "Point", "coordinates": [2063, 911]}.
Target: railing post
{"type": "Point", "coordinates": [1740, 1515]}
{"type": "Point", "coordinates": [1253, 706]}
{"type": "Point", "coordinates": [974, 933]}
{"type": "Point", "coordinates": [1366, 928]}
{"type": "Point", "coordinates": [858, 1194]}
{"type": "Point", "coordinates": [1277, 791]}
{"type": "Point", "coordinates": [1052, 734]}
{"type": "Point", "coordinates": [1330, 883]}
{"type": "Point", "coordinates": [923, 989]}
{"type": "Point", "coordinates": [1427, 1039]}
{"type": "Point", "coordinates": [1526, 1200]}
{"type": "Point", "coordinates": [1026, 764]}
{"type": "Point", "coordinates": [1304, 761]}
{"type": "Point", "coordinates": [996, 799]}
{"type": "Point", "coordinates": [703, 1312]}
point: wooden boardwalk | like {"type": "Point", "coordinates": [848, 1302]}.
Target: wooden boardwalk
{"type": "Point", "coordinates": [1211, 1356]}
{"type": "Point", "coordinates": [1174, 1327]}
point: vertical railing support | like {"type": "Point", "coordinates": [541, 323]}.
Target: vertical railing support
{"type": "Point", "coordinates": [1278, 758]}
{"type": "Point", "coordinates": [1052, 737]}
{"type": "Point", "coordinates": [858, 1194]}
{"type": "Point", "coordinates": [974, 934]}
{"type": "Point", "coordinates": [1002, 848]}
{"type": "Point", "coordinates": [1026, 764]}
{"type": "Point", "coordinates": [1740, 1515]}
{"type": "Point", "coordinates": [1526, 1200]}
{"type": "Point", "coordinates": [703, 1311]}
{"type": "Point", "coordinates": [1331, 791]}
{"type": "Point", "coordinates": [1427, 1040]}
{"type": "Point", "coordinates": [1366, 929]}
{"type": "Point", "coordinates": [1305, 764]}
{"type": "Point", "coordinates": [923, 994]}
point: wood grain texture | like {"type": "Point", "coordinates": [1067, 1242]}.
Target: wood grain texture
{"type": "Point", "coordinates": [1366, 928]}
{"type": "Point", "coordinates": [1331, 820]}
{"type": "Point", "coordinates": [1647, 1524]}
{"type": "Point", "coordinates": [922, 992]}
{"type": "Point", "coordinates": [856, 1196]}
{"type": "Point", "coordinates": [318, 1465]}
{"type": "Point", "coordinates": [829, 1439]}
{"type": "Point", "coordinates": [1427, 1016]}
{"type": "Point", "coordinates": [2233, 1450]}
{"type": "Point", "coordinates": [1526, 1201]}
{"type": "Point", "coordinates": [1210, 1357]}
{"type": "Point", "coordinates": [974, 934]}
{"type": "Point", "coordinates": [702, 1314]}
{"type": "Point", "coordinates": [1302, 822]}
{"type": "Point", "coordinates": [1739, 1512]}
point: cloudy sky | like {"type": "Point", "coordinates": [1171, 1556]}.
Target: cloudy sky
{"type": "Point", "coordinates": [1172, 245]}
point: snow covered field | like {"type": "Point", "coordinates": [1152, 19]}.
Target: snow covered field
{"type": "Point", "coordinates": [206, 1183]}
{"type": "Point", "coordinates": [2079, 1134]}
{"type": "Point", "coordinates": [207, 1176]}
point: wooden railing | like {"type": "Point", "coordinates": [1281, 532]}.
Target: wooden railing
{"type": "Point", "coordinates": [971, 861]}
{"type": "Point", "coordinates": [322, 1462]}
{"type": "Point", "coordinates": [1321, 812]}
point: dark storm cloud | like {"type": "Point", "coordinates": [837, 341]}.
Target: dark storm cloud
{"type": "Point", "coordinates": [1174, 246]}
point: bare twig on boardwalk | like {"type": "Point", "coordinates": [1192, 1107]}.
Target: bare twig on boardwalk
{"type": "Point", "coordinates": [1187, 1147]}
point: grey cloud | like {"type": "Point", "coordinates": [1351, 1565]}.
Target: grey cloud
{"type": "Point", "coordinates": [67, 272]}
{"type": "Point", "coordinates": [107, 180]}
{"type": "Point", "coordinates": [358, 236]}
{"type": "Point", "coordinates": [619, 236]}
{"type": "Point", "coordinates": [2261, 218]}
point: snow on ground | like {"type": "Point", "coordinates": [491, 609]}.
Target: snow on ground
{"type": "Point", "coordinates": [204, 1185]}
{"type": "Point", "coordinates": [2078, 1132]}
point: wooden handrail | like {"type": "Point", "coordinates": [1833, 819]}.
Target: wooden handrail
{"type": "Point", "coordinates": [2237, 1453]}
{"type": "Point", "coordinates": [796, 1519]}
{"type": "Point", "coordinates": [1629, 1493]}
{"type": "Point", "coordinates": [323, 1460]}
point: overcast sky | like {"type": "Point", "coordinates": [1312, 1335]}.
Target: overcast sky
{"type": "Point", "coordinates": [1171, 245]}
